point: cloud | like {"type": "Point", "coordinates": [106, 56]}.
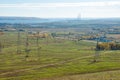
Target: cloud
{"type": "Point", "coordinates": [48, 5]}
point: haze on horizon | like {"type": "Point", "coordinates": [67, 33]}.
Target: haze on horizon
{"type": "Point", "coordinates": [61, 8]}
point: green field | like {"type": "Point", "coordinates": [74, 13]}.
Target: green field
{"type": "Point", "coordinates": [57, 59]}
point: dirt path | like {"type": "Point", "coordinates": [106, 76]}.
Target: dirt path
{"type": "Point", "coordinates": [45, 66]}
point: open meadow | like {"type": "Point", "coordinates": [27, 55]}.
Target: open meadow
{"type": "Point", "coordinates": [55, 59]}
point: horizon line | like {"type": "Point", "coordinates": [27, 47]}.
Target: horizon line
{"type": "Point", "coordinates": [59, 17]}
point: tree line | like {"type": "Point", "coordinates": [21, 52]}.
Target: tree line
{"type": "Point", "coordinates": [108, 46]}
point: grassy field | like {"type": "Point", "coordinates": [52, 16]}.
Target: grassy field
{"type": "Point", "coordinates": [56, 58]}
{"type": "Point", "coordinates": [107, 75]}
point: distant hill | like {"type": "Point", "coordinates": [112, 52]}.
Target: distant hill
{"type": "Point", "coordinates": [68, 20]}
{"type": "Point", "coordinates": [15, 18]}
{"type": "Point", "coordinates": [26, 20]}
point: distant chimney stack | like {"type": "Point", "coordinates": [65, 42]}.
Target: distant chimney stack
{"type": "Point", "coordinates": [79, 17]}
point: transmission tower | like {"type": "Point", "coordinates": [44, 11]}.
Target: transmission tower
{"type": "Point", "coordinates": [27, 50]}
{"type": "Point", "coordinates": [18, 43]}
{"type": "Point", "coordinates": [0, 47]}
{"type": "Point", "coordinates": [37, 44]}
{"type": "Point", "coordinates": [96, 52]}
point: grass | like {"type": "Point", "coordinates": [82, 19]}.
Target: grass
{"type": "Point", "coordinates": [108, 75]}
{"type": "Point", "coordinates": [55, 59]}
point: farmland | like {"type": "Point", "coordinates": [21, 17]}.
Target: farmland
{"type": "Point", "coordinates": [57, 59]}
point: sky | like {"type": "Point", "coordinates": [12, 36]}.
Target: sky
{"type": "Point", "coordinates": [61, 8]}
